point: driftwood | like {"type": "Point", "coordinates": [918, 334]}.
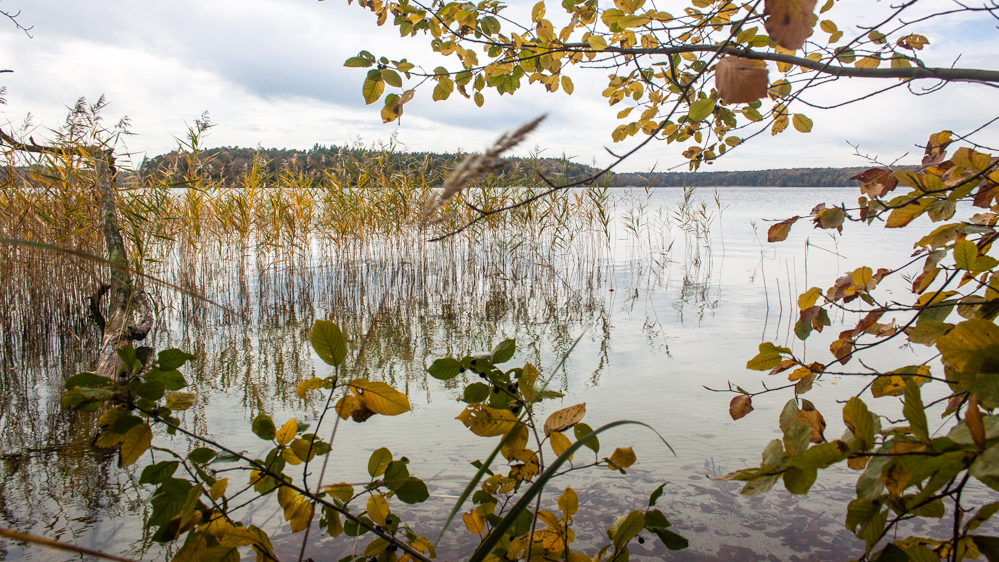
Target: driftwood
{"type": "Point", "coordinates": [129, 314]}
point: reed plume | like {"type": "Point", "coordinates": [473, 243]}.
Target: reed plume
{"type": "Point", "coordinates": [477, 166]}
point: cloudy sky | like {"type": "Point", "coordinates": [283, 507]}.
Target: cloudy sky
{"type": "Point", "coordinates": [271, 73]}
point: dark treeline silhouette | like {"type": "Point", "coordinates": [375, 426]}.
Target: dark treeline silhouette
{"type": "Point", "coordinates": [231, 163]}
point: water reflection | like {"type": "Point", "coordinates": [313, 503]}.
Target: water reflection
{"type": "Point", "coordinates": [665, 304]}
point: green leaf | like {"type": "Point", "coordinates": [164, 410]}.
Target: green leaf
{"type": "Point", "coordinates": [413, 490]}
{"type": "Point", "coordinates": [582, 430]}
{"type": "Point", "coordinates": [914, 410]}
{"type": "Point", "coordinates": [264, 428]}
{"type": "Point", "coordinates": [476, 392]}
{"type": "Point", "coordinates": [799, 480]}
{"type": "Point", "coordinates": [157, 473]}
{"type": "Point", "coordinates": [504, 351]}
{"type": "Point", "coordinates": [379, 461]}
{"type": "Point", "coordinates": [701, 109]}
{"type": "Point", "coordinates": [628, 529]}
{"type": "Point", "coordinates": [328, 341]}
{"type": "Point", "coordinates": [151, 390]}
{"type": "Point", "coordinates": [989, 546]}
{"type": "Point", "coordinates": [983, 514]}
{"type": "Point", "coordinates": [391, 77]}
{"type": "Point", "coordinates": [88, 380]}
{"type": "Point", "coordinates": [201, 455]}
{"type": "Point", "coordinates": [656, 494]}
{"type": "Point", "coordinates": [170, 359]}
{"type": "Point", "coordinates": [858, 420]}
{"type": "Point", "coordinates": [445, 368]}
{"type": "Point", "coordinates": [672, 540]}
{"type": "Point", "coordinates": [965, 254]}
{"type": "Point", "coordinates": [396, 475]}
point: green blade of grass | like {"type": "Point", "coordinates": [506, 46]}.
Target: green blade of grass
{"type": "Point", "coordinates": [525, 501]}
{"type": "Point", "coordinates": [474, 482]}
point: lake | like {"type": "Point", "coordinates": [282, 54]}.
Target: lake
{"type": "Point", "coordinates": [669, 298]}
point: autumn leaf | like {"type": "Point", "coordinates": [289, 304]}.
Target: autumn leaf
{"type": "Point", "coordinates": [740, 80]}
{"type": "Point", "coordinates": [779, 231]}
{"type": "Point", "coordinates": [740, 406]}
{"type": "Point", "coordinates": [309, 384]}
{"type": "Point", "coordinates": [623, 457]}
{"type": "Point", "coordinates": [135, 442]}
{"type": "Point", "coordinates": [789, 22]}
{"type": "Point", "coordinates": [973, 419]}
{"type": "Point", "coordinates": [487, 422]}
{"type": "Point", "coordinates": [287, 432]}
{"type": "Point", "coordinates": [565, 418]}
{"type": "Point", "coordinates": [379, 397]}
{"type": "Point", "coordinates": [560, 443]}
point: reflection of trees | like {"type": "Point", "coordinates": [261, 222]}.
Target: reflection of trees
{"type": "Point", "coordinates": [245, 309]}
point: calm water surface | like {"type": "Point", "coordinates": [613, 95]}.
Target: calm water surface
{"type": "Point", "coordinates": [662, 315]}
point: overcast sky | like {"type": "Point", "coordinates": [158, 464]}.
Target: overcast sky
{"type": "Point", "coordinates": [271, 73]}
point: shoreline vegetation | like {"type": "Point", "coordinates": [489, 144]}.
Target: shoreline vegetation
{"type": "Point", "coordinates": [231, 162]}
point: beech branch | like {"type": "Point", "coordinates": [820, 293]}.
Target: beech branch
{"type": "Point", "coordinates": [915, 72]}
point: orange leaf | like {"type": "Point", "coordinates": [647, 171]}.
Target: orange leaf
{"type": "Point", "coordinates": [779, 231]}
{"type": "Point", "coordinates": [739, 80]}
{"type": "Point", "coordinates": [973, 419]}
{"type": "Point", "coordinates": [740, 406]}
{"type": "Point", "coordinates": [789, 22]}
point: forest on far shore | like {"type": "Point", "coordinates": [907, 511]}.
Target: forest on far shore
{"type": "Point", "coordinates": [230, 162]}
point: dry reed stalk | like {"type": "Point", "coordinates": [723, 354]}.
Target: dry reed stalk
{"type": "Point", "coordinates": [478, 166]}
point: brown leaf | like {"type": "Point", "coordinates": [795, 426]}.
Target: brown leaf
{"type": "Point", "coordinates": [814, 419]}
{"type": "Point", "coordinates": [783, 366]}
{"type": "Point", "coordinates": [789, 22]}
{"type": "Point", "coordinates": [565, 418]}
{"type": "Point", "coordinates": [740, 80]}
{"type": "Point", "coordinates": [869, 174]}
{"type": "Point", "coordinates": [973, 419]}
{"type": "Point", "coordinates": [740, 406]}
{"type": "Point", "coordinates": [779, 231]}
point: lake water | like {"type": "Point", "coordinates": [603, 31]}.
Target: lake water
{"type": "Point", "coordinates": [662, 314]}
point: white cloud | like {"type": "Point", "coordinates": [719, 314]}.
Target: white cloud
{"type": "Point", "coordinates": [271, 73]}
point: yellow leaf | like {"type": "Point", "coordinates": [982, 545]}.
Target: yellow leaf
{"type": "Point", "coordinates": [799, 373]}
{"type": "Point", "coordinates": [301, 514]}
{"type": "Point", "coordinates": [379, 397]}
{"type": "Point", "coordinates": [623, 457]}
{"type": "Point", "coordinates": [809, 298]}
{"type": "Point", "coordinates": [134, 443]}
{"type": "Point", "coordinates": [801, 123]}
{"type": "Point", "coordinates": [333, 525]}
{"type": "Point", "coordinates": [498, 484]}
{"type": "Point", "coordinates": [218, 489]}
{"type": "Point", "coordinates": [342, 491]}
{"type": "Point", "coordinates": [528, 377]}
{"type": "Point", "coordinates": [516, 442]}
{"type": "Point", "coordinates": [290, 457]}
{"type": "Point", "coordinates": [529, 468]}
{"type": "Point", "coordinates": [964, 340]}
{"type": "Point", "coordinates": [474, 522]}
{"type": "Point", "coordinates": [597, 43]}
{"type": "Point", "coordinates": [303, 449]}
{"type": "Point", "coordinates": [568, 503]}
{"type": "Point", "coordinates": [868, 62]}
{"type": "Point", "coordinates": [108, 439]}
{"type": "Point", "coordinates": [237, 536]}
{"type": "Point", "coordinates": [347, 405]}
{"type": "Point", "coordinates": [567, 85]}
{"type": "Point", "coordinates": [485, 421]}
{"type": "Point", "coordinates": [286, 498]}
{"type": "Point", "coordinates": [309, 384]}
{"type": "Point", "coordinates": [180, 400]}
{"type": "Point", "coordinates": [560, 443]}
{"type": "Point", "coordinates": [378, 508]}
{"type": "Point", "coordinates": [565, 418]}
{"type": "Point", "coordinates": [287, 432]}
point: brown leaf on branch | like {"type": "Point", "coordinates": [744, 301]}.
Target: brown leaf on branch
{"type": "Point", "coordinates": [973, 419]}
{"type": "Point", "coordinates": [740, 80]}
{"type": "Point", "coordinates": [740, 406]}
{"type": "Point", "coordinates": [565, 418]}
{"type": "Point", "coordinates": [789, 22]}
{"type": "Point", "coordinates": [779, 231]}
